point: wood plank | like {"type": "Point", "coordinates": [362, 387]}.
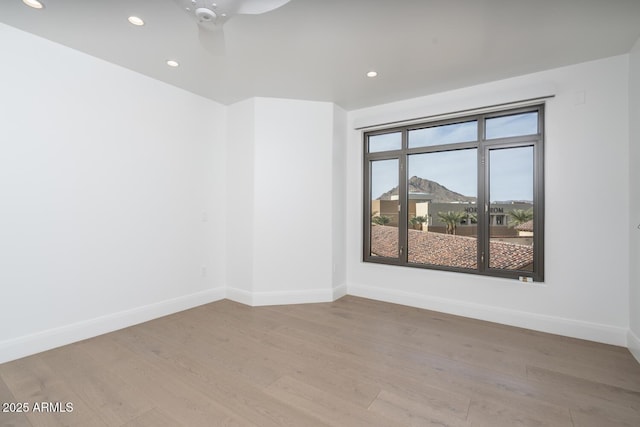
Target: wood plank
{"type": "Point", "coordinates": [324, 405]}
{"type": "Point", "coordinates": [350, 362]}
{"type": "Point", "coordinates": [490, 413]}
{"type": "Point", "coordinates": [230, 345]}
{"type": "Point", "coordinates": [583, 396]}
{"type": "Point", "coordinates": [10, 419]}
{"type": "Point", "coordinates": [591, 418]}
{"type": "Point", "coordinates": [413, 412]}
{"type": "Point", "coordinates": [179, 400]}
{"type": "Point", "coordinates": [153, 418]}
{"type": "Point", "coordinates": [118, 401]}
{"type": "Point", "coordinates": [533, 346]}
{"type": "Point", "coordinates": [217, 383]}
{"type": "Point", "coordinates": [32, 380]}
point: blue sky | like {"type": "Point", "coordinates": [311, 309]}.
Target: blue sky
{"type": "Point", "coordinates": [511, 169]}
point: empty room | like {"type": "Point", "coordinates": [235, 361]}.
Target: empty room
{"type": "Point", "coordinates": [320, 213]}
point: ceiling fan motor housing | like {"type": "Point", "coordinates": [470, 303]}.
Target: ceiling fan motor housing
{"type": "Point", "coordinates": [205, 15]}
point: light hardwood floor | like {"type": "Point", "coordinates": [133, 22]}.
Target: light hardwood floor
{"type": "Point", "coordinates": [353, 362]}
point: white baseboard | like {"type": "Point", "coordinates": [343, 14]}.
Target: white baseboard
{"type": "Point", "coordinates": [239, 295]}
{"type": "Point", "coordinates": [255, 299]}
{"type": "Point", "coordinates": [339, 291]}
{"type": "Point", "coordinates": [16, 348]}
{"type": "Point", "coordinates": [633, 344]}
{"type": "Point", "coordinates": [30, 344]}
{"type": "Point", "coordinates": [538, 322]}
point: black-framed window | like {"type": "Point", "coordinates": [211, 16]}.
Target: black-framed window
{"type": "Point", "coordinates": [464, 194]}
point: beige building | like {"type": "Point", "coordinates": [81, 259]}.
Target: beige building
{"type": "Point", "coordinates": [421, 205]}
{"type": "Point", "coordinates": [418, 206]}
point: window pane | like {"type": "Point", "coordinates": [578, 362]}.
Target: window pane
{"type": "Point", "coordinates": [385, 205]}
{"type": "Point", "coordinates": [442, 209]}
{"type": "Point", "coordinates": [446, 134]}
{"type": "Point", "coordinates": [511, 208]}
{"type": "Point", "coordinates": [513, 125]}
{"type": "Point", "coordinates": [385, 142]}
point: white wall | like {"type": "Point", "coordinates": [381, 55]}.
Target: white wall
{"type": "Point", "coordinates": [280, 162]}
{"type": "Point", "coordinates": [634, 194]}
{"type": "Point", "coordinates": [339, 203]}
{"type": "Point", "coordinates": [585, 293]}
{"type": "Point", "coordinates": [239, 204]}
{"type": "Point", "coordinates": [106, 180]}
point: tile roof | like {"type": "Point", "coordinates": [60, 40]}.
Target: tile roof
{"type": "Point", "coordinates": [525, 226]}
{"type": "Point", "coordinates": [449, 250]}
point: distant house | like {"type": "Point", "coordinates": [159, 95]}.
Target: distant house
{"type": "Point", "coordinates": [421, 205]}
{"type": "Point", "coordinates": [418, 206]}
{"type": "Point", "coordinates": [525, 229]}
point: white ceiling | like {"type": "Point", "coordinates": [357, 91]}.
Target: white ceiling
{"type": "Point", "coordinates": [321, 49]}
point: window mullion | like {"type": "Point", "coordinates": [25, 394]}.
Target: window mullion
{"type": "Point", "coordinates": [484, 217]}
{"type": "Point", "coordinates": [482, 201]}
{"type": "Point", "coordinates": [404, 197]}
{"type": "Point", "coordinates": [538, 253]}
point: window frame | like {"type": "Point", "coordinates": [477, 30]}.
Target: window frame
{"type": "Point", "coordinates": [484, 147]}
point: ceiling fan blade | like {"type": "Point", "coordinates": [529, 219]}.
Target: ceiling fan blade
{"type": "Point", "coordinates": [212, 39]}
{"type": "Point", "coordinates": [256, 7]}
{"type": "Point", "coordinates": [210, 17]}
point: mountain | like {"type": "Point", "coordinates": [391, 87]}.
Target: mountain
{"type": "Point", "coordinates": [438, 193]}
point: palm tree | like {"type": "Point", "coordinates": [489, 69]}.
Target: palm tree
{"type": "Point", "coordinates": [381, 220]}
{"type": "Point", "coordinates": [451, 219]}
{"type": "Point", "coordinates": [418, 220]}
{"type": "Point", "coordinates": [520, 216]}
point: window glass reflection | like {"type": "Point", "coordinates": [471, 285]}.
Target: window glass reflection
{"type": "Point", "coordinates": [511, 208]}
{"type": "Point", "coordinates": [442, 209]}
{"type": "Point", "coordinates": [445, 134]}
{"type": "Point", "coordinates": [513, 125]}
{"type": "Point", "coordinates": [385, 206]}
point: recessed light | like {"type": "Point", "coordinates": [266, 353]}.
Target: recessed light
{"type": "Point", "coordinates": [172, 63]}
{"type": "Point", "coordinates": [372, 74]}
{"type": "Point", "coordinates": [136, 21]}
{"type": "Point", "coordinates": [33, 3]}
